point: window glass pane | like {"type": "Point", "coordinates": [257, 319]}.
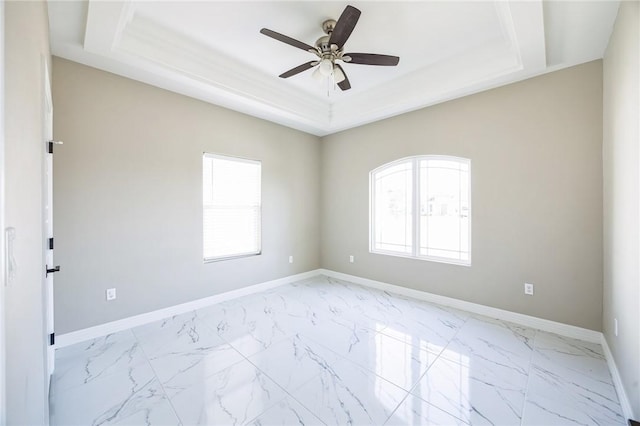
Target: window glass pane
{"type": "Point", "coordinates": [393, 208]}
{"type": "Point", "coordinates": [465, 212]}
{"type": "Point", "coordinates": [235, 182]}
{"type": "Point", "coordinates": [232, 207]}
{"type": "Point", "coordinates": [230, 231]}
{"type": "Point", "coordinates": [442, 207]}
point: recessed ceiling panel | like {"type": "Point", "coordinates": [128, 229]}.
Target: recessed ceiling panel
{"type": "Point", "coordinates": [214, 51]}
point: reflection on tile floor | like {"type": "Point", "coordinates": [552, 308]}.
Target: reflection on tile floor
{"type": "Point", "coordinates": [323, 351]}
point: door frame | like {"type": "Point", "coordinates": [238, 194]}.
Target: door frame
{"type": "Point", "coordinates": [47, 225]}
{"type": "Point", "coordinates": [3, 382]}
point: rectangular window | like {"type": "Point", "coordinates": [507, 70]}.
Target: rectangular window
{"type": "Point", "coordinates": [231, 197]}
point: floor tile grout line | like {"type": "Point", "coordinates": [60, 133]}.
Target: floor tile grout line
{"type": "Point", "coordinates": [326, 320]}
{"type": "Point", "coordinates": [526, 387]}
{"type": "Point", "coordinates": [410, 392]}
{"type": "Point", "coordinates": [438, 356]}
{"type": "Point", "coordinates": [100, 377]}
{"type": "Point", "coordinates": [164, 391]}
{"type": "Point", "coordinates": [246, 358]}
{"type": "Point", "coordinates": [367, 303]}
{"type": "Point", "coordinates": [373, 372]}
{"type": "Point", "coordinates": [287, 394]}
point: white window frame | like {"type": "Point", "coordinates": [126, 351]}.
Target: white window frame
{"type": "Point", "coordinates": [206, 155]}
{"type": "Point", "coordinates": [415, 254]}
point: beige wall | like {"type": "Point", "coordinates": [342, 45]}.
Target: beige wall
{"type": "Point", "coordinates": [622, 197]}
{"type": "Point", "coordinates": [26, 49]}
{"type": "Point", "coordinates": [128, 200]}
{"type": "Point", "coordinates": [128, 197]}
{"type": "Point", "coordinates": [536, 171]}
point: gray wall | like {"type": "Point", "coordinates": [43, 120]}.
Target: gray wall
{"type": "Point", "coordinates": [26, 48]}
{"type": "Point", "coordinates": [536, 170]}
{"type": "Point", "coordinates": [622, 197]}
{"type": "Point", "coordinates": [128, 197]}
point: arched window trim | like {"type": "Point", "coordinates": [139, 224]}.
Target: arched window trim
{"type": "Point", "coordinates": [415, 161]}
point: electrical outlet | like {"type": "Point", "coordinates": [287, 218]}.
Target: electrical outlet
{"type": "Point", "coordinates": [290, 259]}
{"type": "Point", "coordinates": [351, 259]}
{"type": "Point", "coordinates": [528, 289]}
{"type": "Point", "coordinates": [615, 326]}
{"type": "Point", "coordinates": [111, 294]}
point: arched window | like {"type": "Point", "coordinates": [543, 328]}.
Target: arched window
{"type": "Point", "coordinates": [420, 207]}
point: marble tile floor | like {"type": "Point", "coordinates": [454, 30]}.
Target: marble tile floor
{"type": "Point", "coordinates": [324, 351]}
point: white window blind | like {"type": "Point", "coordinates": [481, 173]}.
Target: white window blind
{"type": "Point", "coordinates": [231, 195]}
{"type": "Point", "coordinates": [421, 208]}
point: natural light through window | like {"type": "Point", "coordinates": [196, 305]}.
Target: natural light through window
{"type": "Point", "coordinates": [399, 358]}
{"type": "Point", "coordinates": [231, 195]}
{"type": "Point", "coordinates": [421, 208]}
{"type": "Point", "coordinates": [402, 358]}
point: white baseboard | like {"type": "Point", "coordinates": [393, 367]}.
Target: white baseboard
{"type": "Point", "coordinates": [137, 320]}
{"type": "Point", "coordinates": [526, 320]}
{"type": "Point", "coordinates": [617, 380]}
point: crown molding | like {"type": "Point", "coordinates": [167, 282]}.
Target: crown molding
{"type": "Point", "coordinates": [116, 30]}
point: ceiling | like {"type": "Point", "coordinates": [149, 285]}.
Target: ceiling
{"type": "Point", "coordinates": [213, 51]}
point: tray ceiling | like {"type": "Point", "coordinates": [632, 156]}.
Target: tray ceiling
{"type": "Point", "coordinates": [213, 51]}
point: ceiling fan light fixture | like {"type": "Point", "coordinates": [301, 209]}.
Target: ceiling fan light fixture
{"type": "Point", "coordinates": [317, 75]}
{"type": "Point", "coordinates": [338, 75]}
{"type": "Point", "coordinates": [326, 67]}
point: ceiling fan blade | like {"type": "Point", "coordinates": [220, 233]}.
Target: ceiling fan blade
{"type": "Point", "coordinates": [298, 69]}
{"type": "Point", "coordinates": [344, 27]}
{"type": "Point", "coordinates": [372, 59]}
{"type": "Point", "coordinates": [285, 39]}
{"type": "Point", "coordinates": [344, 84]}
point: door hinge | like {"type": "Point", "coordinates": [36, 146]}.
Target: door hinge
{"type": "Point", "coordinates": [50, 243]}
{"type": "Point", "coordinates": [52, 339]}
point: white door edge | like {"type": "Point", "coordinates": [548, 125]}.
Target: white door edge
{"type": "Point", "coordinates": [47, 112]}
{"type": "Point", "coordinates": [3, 399]}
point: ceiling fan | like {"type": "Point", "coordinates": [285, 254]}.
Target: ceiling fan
{"type": "Point", "coordinates": [330, 48]}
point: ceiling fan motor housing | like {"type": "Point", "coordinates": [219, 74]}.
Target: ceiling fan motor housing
{"type": "Point", "coordinates": [323, 42]}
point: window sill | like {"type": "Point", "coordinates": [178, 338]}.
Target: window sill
{"type": "Point", "coordinates": [427, 258]}
{"type": "Point", "coordinates": [236, 256]}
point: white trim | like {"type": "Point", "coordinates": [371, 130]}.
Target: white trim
{"type": "Point", "coordinates": [47, 214]}
{"type": "Point", "coordinates": [126, 323]}
{"type": "Point", "coordinates": [617, 380]}
{"type": "Point", "coordinates": [210, 205]}
{"type": "Point", "coordinates": [526, 320]}
{"type": "Point", "coordinates": [3, 266]}
{"type": "Point", "coordinates": [415, 162]}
